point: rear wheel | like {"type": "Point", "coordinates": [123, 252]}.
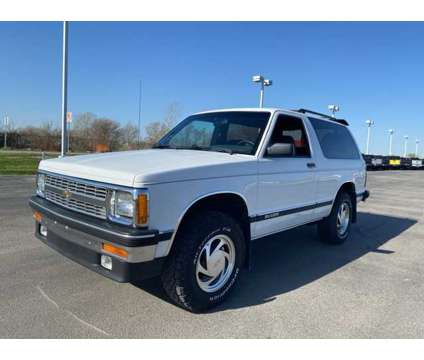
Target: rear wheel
{"type": "Point", "coordinates": [335, 228]}
{"type": "Point", "coordinates": [205, 263]}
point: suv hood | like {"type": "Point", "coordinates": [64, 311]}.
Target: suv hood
{"type": "Point", "coordinates": [144, 167]}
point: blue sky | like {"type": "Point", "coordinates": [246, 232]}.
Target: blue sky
{"type": "Point", "coordinates": [372, 70]}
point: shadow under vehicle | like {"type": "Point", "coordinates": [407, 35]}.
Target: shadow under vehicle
{"type": "Point", "coordinates": [292, 259]}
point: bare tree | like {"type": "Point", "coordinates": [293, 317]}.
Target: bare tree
{"type": "Point", "coordinates": [81, 132]}
{"type": "Point", "coordinates": [90, 133]}
{"type": "Point", "coordinates": [172, 112]}
{"type": "Point", "coordinates": [129, 136]}
{"type": "Point", "coordinates": [49, 135]}
{"type": "Point", "coordinates": [157, 129]}
{"type": "Point", "coordinates": [105, 133]}
{"type": "Point", "coordinates": [46, 137]}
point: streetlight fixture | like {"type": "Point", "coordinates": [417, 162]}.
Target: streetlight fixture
{"type": "Point", "coordinates": [405, 148]}
{"type": "Point", "coordinates": [369, 124]}
{"type": "Point", "coordinates": [416, 147]}
{"type": "Point", "coordinates": [333, 109]}
{"type": "Point", "coordinates": [391, 131]}
{"type": "Point", "coordinates": [264, 82]}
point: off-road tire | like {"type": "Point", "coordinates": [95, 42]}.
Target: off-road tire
{"type": "Point", "coordinates": [327, 227]}
{"type": "Point", "coordinates": [179, 273]}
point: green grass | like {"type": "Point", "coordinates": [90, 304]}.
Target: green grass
{"type": "Point", "coordinates": [20, 162]}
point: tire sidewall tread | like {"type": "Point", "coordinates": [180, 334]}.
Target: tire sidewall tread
{"type": "Point", "coordinates": [327, 228]}
{"type": "Point", "coordinates": [179, 277]}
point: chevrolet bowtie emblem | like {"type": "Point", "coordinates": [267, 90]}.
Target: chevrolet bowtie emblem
{"type": "Point", "coordinates": [67, 194]}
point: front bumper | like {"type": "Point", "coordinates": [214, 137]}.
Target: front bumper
{"type": "Point", "coordinates": [80, 238]}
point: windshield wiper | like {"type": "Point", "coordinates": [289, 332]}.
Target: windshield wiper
{"type": "Point", "coordinates": [193, 147]}
{"type": "Point", "coordinates": [160, 146]}
{"type": "Point", "coordinates": [197, 147]}
{"type": "Point", "coordinates": [228, 151]}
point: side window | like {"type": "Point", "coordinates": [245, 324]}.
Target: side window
{"type": "Point", "coordinates": [289, 128]}
{"type": "Point", "coordinates": [336, 140]}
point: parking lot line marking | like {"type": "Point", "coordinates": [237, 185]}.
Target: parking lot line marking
{"type": "Point", "coordinates": [45, 296]}
{"type": "Point", "coordinates": [87, 324]}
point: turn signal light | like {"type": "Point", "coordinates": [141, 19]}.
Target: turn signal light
{"type": "Point", "coordinates": [142, 209]}
{"type": "Point", "coordinates": [114, 250]}
{"type": "Point", "coordinates": [37, 216]}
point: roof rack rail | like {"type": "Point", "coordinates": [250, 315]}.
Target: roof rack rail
{"type": "Point", "coordinates": [340, 121]}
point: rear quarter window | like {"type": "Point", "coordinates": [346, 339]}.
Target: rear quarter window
{"type": "Point", "coordinates": [336, 140]}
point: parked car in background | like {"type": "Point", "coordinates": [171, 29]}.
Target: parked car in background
{"type": "Point", "coordinates": [405, 163]}
{"type": "Point", "coordinates": [394, 162]}
{"type": "Point", "coordinates": [368, 161]}
{"type": "Point", "coordinates": [417, 163]}
{"type": "Point", "coordinates": [189, 209]}
{"type": "Point", "coordinates": [373, 162]}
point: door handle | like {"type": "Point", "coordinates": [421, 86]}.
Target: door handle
{"type": "Point", "coordinates": [310, 165]}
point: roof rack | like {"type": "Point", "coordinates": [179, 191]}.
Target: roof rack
{"type": "Point", "coordinates": [340, 121]}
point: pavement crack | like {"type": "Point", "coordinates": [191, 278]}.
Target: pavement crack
{"type": "Point", "coordinates": [69, 313]}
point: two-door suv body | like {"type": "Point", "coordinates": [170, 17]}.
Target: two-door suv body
{"type": "Point", "coordinates": [189, 209]}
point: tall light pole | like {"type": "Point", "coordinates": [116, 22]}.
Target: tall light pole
{"type": "Point", "coordinates": [391, 131]}
{"type": "Point", "coordinates": [333, 109]}
{"type": "Point", "coordinates": [369, 124]}
{"type": "Point", "coordinates": [5, 129]}
{"type": "Point", "coordinates": [139, 115]}
{"type": "Point", "coordinates": [416, 147]}
{"type": "Point", "coordinates": [405, 148]}
{"type": "Point", "coordinates": [264, 82]}
{"type": "Point", "coordinates": [64, 145]}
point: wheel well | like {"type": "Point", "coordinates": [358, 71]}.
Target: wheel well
{"type": "Point", "coordinates": [349, 188]}
{"type": "Point", "coordinates": [228, 203]}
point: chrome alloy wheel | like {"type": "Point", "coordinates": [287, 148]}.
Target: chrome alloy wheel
{"type": "Point", "coordinates": [215, 263]}
{"type": "Point", "coordinates": [343, 218]}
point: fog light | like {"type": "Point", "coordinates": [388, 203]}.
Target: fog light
{"type": "Point", "coordinates": [43, 230]}
{"type": "Point", "coordinates": [106, 262]}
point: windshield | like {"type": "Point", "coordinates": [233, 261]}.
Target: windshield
{"type": "Point", "coordinates": [233, 132]}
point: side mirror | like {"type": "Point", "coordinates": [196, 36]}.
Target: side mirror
{"type": "Point", "coordinates": [281, 149]}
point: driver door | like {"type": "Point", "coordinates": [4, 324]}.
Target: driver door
{"type": "Point", "coordinates": [286, 184]}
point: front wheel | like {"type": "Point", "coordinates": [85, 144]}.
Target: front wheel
{"type": "Point", "coordinates": [205, 263]}
{"type": "Point", "coordinates": [335, 228]}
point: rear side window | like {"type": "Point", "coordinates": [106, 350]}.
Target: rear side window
{"type": "Point", "coordinates": [336, 141]}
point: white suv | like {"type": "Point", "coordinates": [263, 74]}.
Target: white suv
{"type": "Point", "coordinates": [189, 209]}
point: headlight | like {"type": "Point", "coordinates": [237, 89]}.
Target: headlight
{"type": "Point", "coordinates": [122, 204]}
{"type": "Point", "coordinates": [130, 208]}
{"type": "Point", "coordinates": [41, 183]}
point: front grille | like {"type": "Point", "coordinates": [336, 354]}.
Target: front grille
{"type": "Point", "coordinates": [77, 205]}
{"type": "Point", "coordinates": [76, 195]}
{"type": "Point", "coordinates": [76, 187]}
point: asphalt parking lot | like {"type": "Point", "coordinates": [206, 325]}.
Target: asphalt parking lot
{"type": "Point", "coordinates": [370, 287]}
